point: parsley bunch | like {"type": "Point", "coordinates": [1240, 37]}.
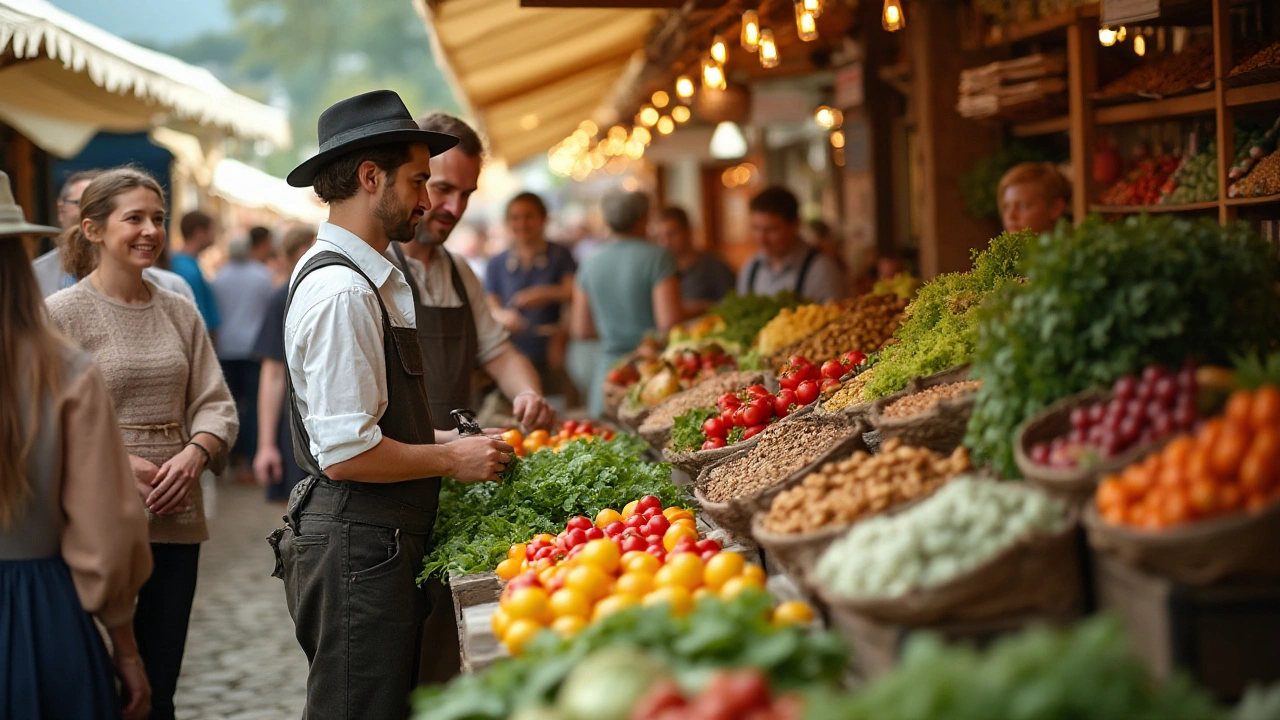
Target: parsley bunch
{"type": "Point", "coordinates": [478, 522]}
{"type": "Point", "coordinates": [1101, 300]}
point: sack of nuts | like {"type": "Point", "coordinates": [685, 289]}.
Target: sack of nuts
{"type": "Point", "coordinates": [931, 412]}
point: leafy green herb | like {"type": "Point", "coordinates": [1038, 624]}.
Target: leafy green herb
{"type": "Point", "coordinates": [686, 432]}
{"type": "Point", "coordinates": [744, 315]}
{"type": "Point", "coordinates": [1254, 371]}
{"type": "Point", "coordinates": [717, 634]}
{"type": "Point", "coordinates": [941, 329]}
{"type": "Point", "coordinates": [478, 522]}
{"type": "Point", "coordinates": [1102, 300]}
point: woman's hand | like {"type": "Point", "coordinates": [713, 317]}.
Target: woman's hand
{"type": "Point", "coordinates": [174, 481]}
{"type": "Point", "coordinates": [144, 473]}
{"type": "Point", "coordinates": [135, 691]}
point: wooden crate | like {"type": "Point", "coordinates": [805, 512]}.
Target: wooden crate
{"type": "Point", "coordinates": [474, 599]}
{"type": "Point", "coordinates": [1226, 635]}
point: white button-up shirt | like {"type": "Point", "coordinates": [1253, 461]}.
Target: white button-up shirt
{"type": "Point", "coordinates": [333, 342]}
{"type": "Point", "coordinates": [435, 286]}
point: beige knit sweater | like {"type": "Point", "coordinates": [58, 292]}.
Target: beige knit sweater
{"type": "Point", "coordinates": [164, 379]}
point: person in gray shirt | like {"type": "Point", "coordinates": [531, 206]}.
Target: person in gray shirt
{"type": "Point", "coordinates": [704, 278]}
{"type": "Point", "coordinates": [50, 275]}
{"type": "Point", "coordinates": [784, 262]}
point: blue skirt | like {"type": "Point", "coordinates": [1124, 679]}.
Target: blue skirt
{"type": "Point", "coordinates": [53, 663]}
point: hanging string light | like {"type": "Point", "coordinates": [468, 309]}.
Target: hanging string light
{"type": "Point", "coordinates": [684, 87]}
{"type": "Point", "coordinates": [837, 139]}
{"type": "Point", "coordinates": [666, 125]}
{"type": "Point", "coordinates": [814, 7]}
{"type": "Point", "coordinates": [661, 99]}
{"type": "Point", "coordinates": [750, 30]}
{"type": "Point", "coordinates": [713, 75]}
{"type": "Point", "coordinates": [892, 19]}
{"type": "Point", "coordinates": [648, 116]}
{"type": "Point", "coordinates": [768, 49]}
{"type": "Point", "coordinates": [681, 113]}
{"type": "Point", "coordinates": [1121, 34]}
{"type": "Point", "coordinates": [641, 135]}
{"type": "Point", "coordinates": [1139, 44]}
{"type": "Point", "coordinates": [828, 117]}
{"type": "Point", "coordinates": [806, 25]}
{"type": "Point", "coordinates": [1107, 36]}
{"type": "Point", "coordinates": [720, 49]}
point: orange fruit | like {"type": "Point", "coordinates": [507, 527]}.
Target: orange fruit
{"type": "Point", "coordinates": [517, 551]}
{"type": "Point", "coordinates": [513, 438]}
{"type": "Point", "coordinates": [509, 568]}
{"type": "Point", "coordinates": [1264, 411]}
{"type": "Point", "coordinates": [1228, 453]}
{"type": "Point", "coordinates": [679, 598]}
{"type": "Point", "coordinates": [736, 586]}
{"type": "Point", "coordinates": [1240, 407]}
{"type": "Point", "coordinates": [606, 517]}
{"type": "Point", "coordinates": [500, 621]}
{"type": "Point", "coordinates": [528, 603]}
{"type": "Point", "coordinates": [601, 553]}
{"type": "Point", "coordinates": [756, 574]}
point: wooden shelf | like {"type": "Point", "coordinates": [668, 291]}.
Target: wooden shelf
{"type": "Point", "coordinates": [1197, 104]}
{"type": "Point", "coordinates": [1135, 209]}
{"type": "Point", "coordinates": [1009, 34]}
{"type": "Point", "coordinates": [1247, 201]}
{"type": "Point", "coordinates": [1253, 94]}
{"type": "Point", "coordinates": [1047, 126]}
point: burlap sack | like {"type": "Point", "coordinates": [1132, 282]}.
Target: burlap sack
{"type": "Point", "coordinates": [941, 428]}
{"type": "Point", "coordinates": [631, 417]}
{"type": "Point", "coordinates": [695, 461]}
{"type": "Point", "coordinates": [1244, 545]}
{"type": "Point", "coordinates": [1040, 573]}
{"type": "Point", "coordinates": [735, 514]}
{"type": "Point", "coordinates": [659, 435]}
{"type": "Point", "coordinates": [613, 397]}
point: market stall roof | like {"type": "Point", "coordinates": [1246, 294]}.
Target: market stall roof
{"type": "Point", "coordinates": [247, 186]}
{"type": "Point", "coordinates": [530, 75]}
{"type": "Point", "coordinates": [62, 80]}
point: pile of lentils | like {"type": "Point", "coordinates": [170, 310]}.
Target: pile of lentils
{"type": "Point", "coordinates": [926, 399]}
{"type": "Point", "coordinates": [784, 449]}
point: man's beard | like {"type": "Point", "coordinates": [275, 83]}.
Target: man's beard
{"type": "Point", "coordinates": [425, 234]}
{"type": "Point", "coordinates": [397, 222]}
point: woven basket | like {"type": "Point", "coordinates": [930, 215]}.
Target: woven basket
{"type": "Point", "coordinates": [941, 428]}
{"type": "Point", "coordinates": [659, 435]}
{"type": "Point", "coordinates": [735, 514]}
{"type": "Point", "coordinates": [1074, 485]}
{"type": "Point", "coordinates": [694, 462]}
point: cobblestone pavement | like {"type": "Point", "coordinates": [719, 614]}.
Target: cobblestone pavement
{"type": "Point", "coordinates": [242, 660]}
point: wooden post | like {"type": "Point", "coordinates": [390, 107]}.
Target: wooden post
{"type": "Point", "coordinates": [1222, 63]}
{"type": "Point", "coordinates": [950, 144]}
{"type": "Point", "coordinates": [1082, 82]}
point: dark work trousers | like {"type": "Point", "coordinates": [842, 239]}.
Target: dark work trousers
{"type": "Point", "coordinates": [242, 380]}
{"type": "Point", "coordinates": [350, 584]}
{"type": "Point", "coordinates": [161, 618]}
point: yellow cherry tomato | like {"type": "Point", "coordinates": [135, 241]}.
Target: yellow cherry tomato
{"type": "Point", "coordinates": [638, 584]}
{"type": "Point", "coordinates": [546, 538]}
{"type": "Point", "coordinates": [679, 598]}
{"type": "Point", "coordinates": [630, 509]}
{"type": "Point", "coordinates": [721, 567]}
{"type": "Point", "coordinates": [528, 603]}
{"type": "Point", "coordinates": [685, 522]}
{"type": "Point", "coordinates": [519, 635]}
{"type": "Point", "coordinates": [683, 569]}
{"type": "Point", "coordinates": [673, 514]}
{"type": "Point", "coordinates": [793, 612]}
{"type": "Point", "coordinates": [589, 580]}
{"type": "Point", "coordinates": [756, 573]}
{"type": "Point", "coordinates": [518, 551]}
{"type": "Point", "coordinates": [500, 621]}
{"type": "Point", "coordinates": [736, 586]}
{"type": "Point", "coordinates": [509, 568]}
{"type": "Point", "coordinates": [613, 604]}
{"type": "Point", "coordinates": [569, 625]}
{"type": "Point", "coordinates": [601, 553]}
{"type": "Point", "coordinates": [675, 533]}
{"type": "Point", "coordinates": [638, 561]}
{"type": "Point", "coordinates": [703, 592]}
{"type": "Point", "coordinates": [606, 517]}
{"type": "Point", "coordinates": [570, 602]}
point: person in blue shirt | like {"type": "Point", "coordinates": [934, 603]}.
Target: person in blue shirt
{"type": "Point", "coordinates": [529, 284]}
{"type": "Point", "coordinates": [198, 233]}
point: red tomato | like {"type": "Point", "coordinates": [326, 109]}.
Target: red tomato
{"type": "Point", "coordinates": [657, 525]}
{"type": "Point", "coordinates": [545, 552]}
{"type": "Point", "coordinates": [569, 427]}
{"type": "Point", "coordinates": [649, 502]}
{"type": "Point", "coordinates": [853, 358]}
{"type": "Point", "coordinates": [658, 552]}
{"type": "Point", "coordinates": [798, 361]}
{"type": "Point", "coordinates": [726, 416]}
{"type": "Point", "coordinates": [739, 416]}
{"type": "Point", "coordinates": [614, 528]}
{"type": "Point", "coordinates": [595, 533]}
{"type": "Point", "coordinates": [578, 522]}
{"type": "Point", "coordinates": [714, 428]}
{"type": "Point", "coordinates": [634, 543]}
{"type": "Point", "coordinates": [575, 538]}
{"type": "Point", "coordinates": [829, 384]}
{"type": "Point", "coordinates": [651, 512]}
{"type": "Point", "coordinates": [789, 381]}
{"type": "Point", "coordinates": [686, 543]}
{"type": "Point", "coordinates": [708, 544]}
{"type": "Point", "coordinates": [652, 539]}
{"type": "Point", "coordinates": [635, 521]}
{"type": "Point", "coordinates": [758, 391]}
{"type": "Point", "coordinates": [765, 406]}
{"type": "Point", "coordinates": [752, 415]}
{"type": "Point", "coordinates": [728, 400]}
{"type": "Point", "coordinates": [524, 579]}
{"type": "Point", "coordinates": [708, 554]}
{"type": "Point", "coordinates": [807, 392]}
{"type": "Point", "coordinates": [575, 551]}
{"type": "Point", "coordinates": [753, 431]}
{"type": "Point", "coordinates": [782, 403]}
{"type": "Point", "coordinates": [833, 370]}
{"type": "Point", "coordinates": [713, 444]}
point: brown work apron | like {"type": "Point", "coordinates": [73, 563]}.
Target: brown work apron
{"type": "Point", "coordinates": [448, 338]}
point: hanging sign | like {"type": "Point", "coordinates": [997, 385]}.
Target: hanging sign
{"type": "Point", "coordinates": [1120, 12]}
{"type": "Point", "coordinates": [849, 87]}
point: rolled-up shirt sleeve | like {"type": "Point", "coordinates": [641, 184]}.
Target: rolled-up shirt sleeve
{"type": "Point", "coordinates": [343, 378]}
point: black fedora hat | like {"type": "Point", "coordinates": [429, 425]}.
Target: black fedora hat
{"type": "Point", "coordinates": [374, 118]}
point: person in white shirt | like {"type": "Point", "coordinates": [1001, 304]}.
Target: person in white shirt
{"type": "Point", "coordinates": [357, 527]}
{"type": "Point", "coordinates": [785, 262]}
{"type": "Point", "coordinates": [50, 275]}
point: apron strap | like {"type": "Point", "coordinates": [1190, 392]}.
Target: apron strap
{"type": "Point", "coordinates": [804, 271]}
{"type": "Point", "coordinates": [301, 440]}
{"type": "Point", "coordinates": [408, 276]}
{"type": "Point", "coordinates": [751, 276]}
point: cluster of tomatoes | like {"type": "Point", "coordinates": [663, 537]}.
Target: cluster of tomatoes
{"type": "Point", "coordinates": [570, 430]}
{"type": "Point", "coordinates": [689, 363]}
{"type": "Point", "coordinates": [1231, 463]}
{"type": "Point", "coordinates": [798, 371]}
{"type": "Point", "coordinates": [739, 693]}
{"type": "Point", "coordinates": [564, 582]}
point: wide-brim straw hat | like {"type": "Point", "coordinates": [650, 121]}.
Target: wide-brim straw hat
{"type": "Point", "coordinates": [12, 222]}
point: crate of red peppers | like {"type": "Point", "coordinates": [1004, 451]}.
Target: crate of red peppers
{"type": "Point", "coordinates": [1073, 443]}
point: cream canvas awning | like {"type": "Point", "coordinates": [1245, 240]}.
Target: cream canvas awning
{"type": "Point", "coordinates": [247, 186]}
{"type": "Point", "coordinates": [529, 76]}
{"type": "Point", "coordinates": [62, 80]}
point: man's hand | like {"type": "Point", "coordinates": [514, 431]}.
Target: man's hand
{"type": "Point", "coordinates": [532, 411]}
{"type": "Point", "coordinates": [479, 458]}
{"type": "Point", "coordinates": [268, 466]}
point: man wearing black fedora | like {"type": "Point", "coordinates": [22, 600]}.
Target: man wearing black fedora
{"type": "Point", "coordinates": [357, 527]}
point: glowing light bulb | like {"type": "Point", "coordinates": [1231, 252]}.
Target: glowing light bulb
{"type": "Point", "coordinates": [828, 117]}
{"type": "Point", "coordinates": [617, 132]}
{"type": "Point", "coordinates": [837, 139]}
{"type": "Point", "coordinates": [720, 50]}
{"type": "Point", "coordinates": [806, 25]}
{"type": "Point", "coordinates": [681, 114]}
{"type": "Point", "coordinates": [768, 49]}
{"type": "Point", "coordinates": [589, 128]}
{"type": "Point", "coordinates": [684, 87]}
{"type": "Point", "coordinates": [1107, 36]}
{"type": "Point", "coordinates": [666, 125]}
{"type": "Point", "coordinates": [750, 30]}
{"type": "Point", "coordinates": [1139, 45]}
{"type": "Point", "coordinates": [892, 19]}
{"type": "Point", "coordinates": [712, 76]}
{"type": "Point", "coordinates": [814, 7]}
{"type": "Point", "coordinates": [661, 99]}
{"type": "Point", "coordinates": [649, 116]}
{"type": "Point", "coordinates": [642, 136]}
{"type": "Point", "coordinates": [1121, 34]}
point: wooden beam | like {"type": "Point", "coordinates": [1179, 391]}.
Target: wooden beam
{"type": "Point", "coordinates": [1198, 104]}
{"type": "Point", "coordinates": [1222, 64]}
{"type": "Point", "coordinates": [1082, 81]}
{"type": "Point", "coordinates": [614, 4]}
